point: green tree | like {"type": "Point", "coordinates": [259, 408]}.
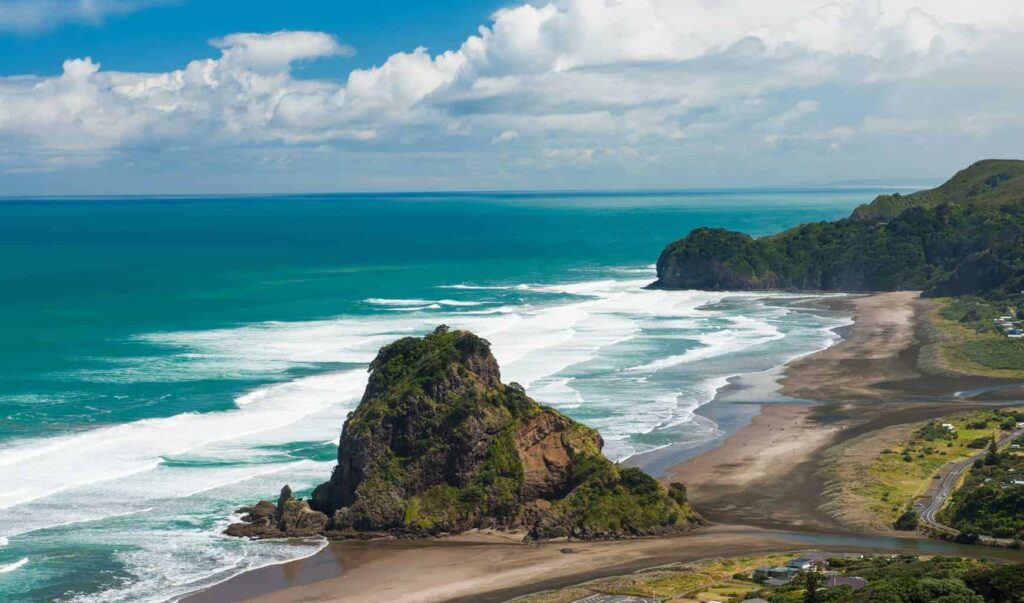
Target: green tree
{"type": "Point", "coordinates": [812, 587]}
{"type": "Point", "coordinates": [998, 584]}
{"type": "Point", "coordinates": [992, 458]}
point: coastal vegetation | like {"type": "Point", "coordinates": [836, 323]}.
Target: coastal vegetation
{"type": "Point", "coordinates": [971, 341]}
{"type": "Point", "coordinates": [720, 578]}
{"type": "Point", "coordinates": [439, 445]}
{"type": "Point", "coordinates": [965, 237]}
{"type": "Point", "coordinates": [991, 500]}
{"type": "Point", "coordinates": [875, 478]}
{"type": "Point", "coordinates": [849, 578]}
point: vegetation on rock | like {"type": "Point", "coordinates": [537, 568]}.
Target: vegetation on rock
{"type": "Point", "coordinates": [965, 237]}
{"type": "Point", "coordinates": [439, 445]}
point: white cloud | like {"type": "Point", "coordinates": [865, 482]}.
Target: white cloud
{"type": "Point", "coordinates": [35, 15]}
{"type": "Point", "coordinates": [658, 76]}
{"type": "Point", "coordinates": [505, 136]}
{"type": "Point", "coordinates": [278, 50]}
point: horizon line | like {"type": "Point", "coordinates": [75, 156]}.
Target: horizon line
{"type": "Point", "coordinates": [524, 192]}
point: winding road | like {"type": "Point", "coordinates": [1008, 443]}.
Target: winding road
{"type": "Point", "coordinates": [929, 506]}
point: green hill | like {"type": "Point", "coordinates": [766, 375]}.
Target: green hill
{"type": "Point", "coordinates": [987, 182]}
{"type": "Point", "coordinates": [965, 237]}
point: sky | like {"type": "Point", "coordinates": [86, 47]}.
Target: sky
{"type": "Point", "coordinates": [229, 96]}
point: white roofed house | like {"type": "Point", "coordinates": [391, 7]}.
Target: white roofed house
{"type": "Point", "coordinates": [815, 562]}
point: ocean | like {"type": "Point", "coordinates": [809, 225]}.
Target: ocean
{"type": "Point", "coordinates": [164, 361]}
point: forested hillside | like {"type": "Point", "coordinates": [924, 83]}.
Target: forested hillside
{"type": "Point", "coordinates": [965, 237]}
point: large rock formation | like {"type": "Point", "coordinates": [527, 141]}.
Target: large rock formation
{"type": "Point", "coordinates": [439, 445]}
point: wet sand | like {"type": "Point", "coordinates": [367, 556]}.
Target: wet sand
{"type": "Point", "coordinates": [764, 477]}
{"type": "Point", "coordinates": [881, 357]}
{"type": "Point", "coordinates": [482, 568]}
{"type": "Point", "coordinates": [771, 472]}
{"type": "Point", "coordinates": [471, 565]}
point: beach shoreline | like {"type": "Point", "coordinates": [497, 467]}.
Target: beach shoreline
{"type": "Point", "coordinates": [762, 478]}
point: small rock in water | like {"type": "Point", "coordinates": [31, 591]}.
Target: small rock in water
{"type": "Point", "coordinates": [290, 518]}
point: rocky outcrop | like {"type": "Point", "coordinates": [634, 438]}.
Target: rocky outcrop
{"type": "Point", "coordinates": [290, 518]}
{"type": "Point", "coordinates": [438, 444]}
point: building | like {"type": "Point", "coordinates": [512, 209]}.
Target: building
{"type": "Point", "coordinates": [854, 582]}
{"type": "Point", "coordinates": [780, 572]}
{"type": "Point", "coordinates": [783, 572]}
{"type": "Point", "coordinates": [814, 562]}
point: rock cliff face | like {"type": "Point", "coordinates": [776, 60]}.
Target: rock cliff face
{"type": "Point", "coordinates": [439, 445]}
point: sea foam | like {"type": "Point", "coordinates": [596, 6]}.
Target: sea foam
{"type": "Point", "coordinates": [605, 351]}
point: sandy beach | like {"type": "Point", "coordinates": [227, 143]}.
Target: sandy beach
{"type": "Point", "coordinates": [763, 487]}
{"type": "Point", "coordinates": [883, 356]}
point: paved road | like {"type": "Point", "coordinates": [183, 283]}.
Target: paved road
{"type": "Point", "coordinates": [930, 508]}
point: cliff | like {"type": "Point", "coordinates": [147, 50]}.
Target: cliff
{"type": "Point", "coordinates": [965, 237]}
{"type": "Point", "coordinates": [439, 444]}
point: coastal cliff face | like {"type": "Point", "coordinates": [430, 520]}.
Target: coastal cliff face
{"type": "Point", "coordinates": [439, 444]}
{"type": "Point", "coordinates": [965, 237]}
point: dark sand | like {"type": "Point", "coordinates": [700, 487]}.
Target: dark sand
{"type": "Point", "coordinates": [483, 568]}
{"type": "Point", "coordinates": [762, 477]}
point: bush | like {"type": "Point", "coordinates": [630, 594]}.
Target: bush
{"type": "Point", "coordinates": [907, 522]}
{"type": "Point", "coordinates": [935, 431]}
{"type": "Point", "coordinates": [979, 443]}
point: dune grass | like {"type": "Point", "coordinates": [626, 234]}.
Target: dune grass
{"type": "Point", "coordinates": [970, 344]}
{"type": "Point", "coordinates": [876, 477]}
{"type": "Point", "coordinates": [709, 579]}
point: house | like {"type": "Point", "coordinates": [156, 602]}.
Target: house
{"type": "Point", "coordinates": [783, 572]}
{"type": "Point", "coordinates": [854, 582]}
{"type": "Point", "coordinates": [949, 426]}
{"type": "Point", "coordinates": [761, 573]}
{"type": "Point", "coordinates": [776, 582]}
{"type": "Point", "coordinates": [815, 562]}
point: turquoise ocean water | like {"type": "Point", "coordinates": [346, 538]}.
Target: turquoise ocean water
{"type": "Point", "coordinates": [163, 361]}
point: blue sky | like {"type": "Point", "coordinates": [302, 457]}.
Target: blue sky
{"type": "Point", "coordinates": [167, 35]}
{"type": "Point", "coordinates": [155, 96]}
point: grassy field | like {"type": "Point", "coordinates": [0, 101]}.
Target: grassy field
{"type": "Point", "coordinates": [971, 344]}
{"type": "Point", "coordinates": [876, 477]}
{"type": "Point", "coordinates": [710, 579]}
